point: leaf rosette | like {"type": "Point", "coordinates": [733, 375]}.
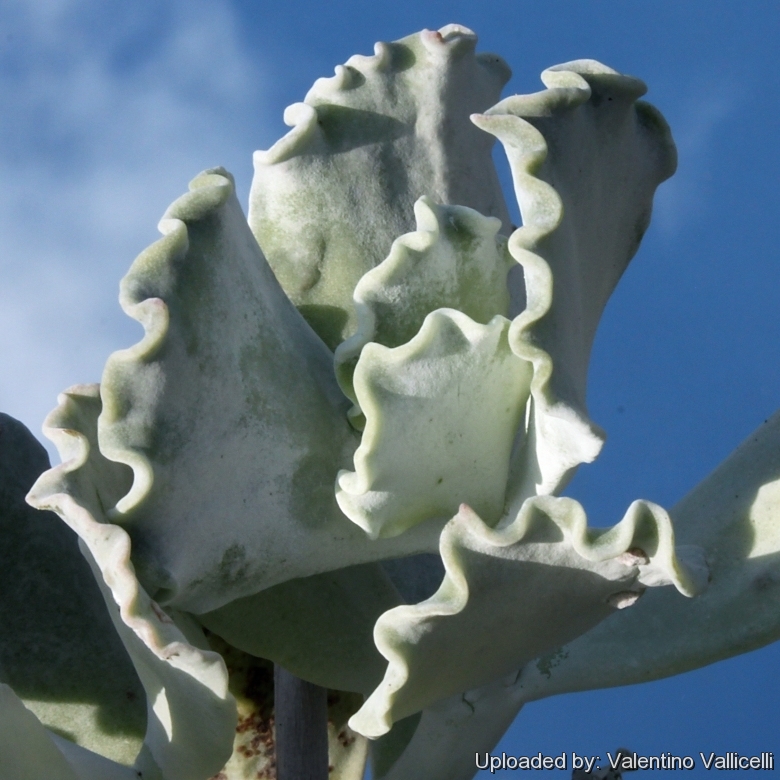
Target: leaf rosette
{"type": "Point", "coordinates": [340, 444]}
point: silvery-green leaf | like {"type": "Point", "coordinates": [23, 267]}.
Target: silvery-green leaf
{"type": "Point", "coordinates": [26, 748]}
{"type": "Point", "coordinates": [450, 733]}
{"type": "Point", "coordinates": [588, 137]}
{"type": "Point", "coordinates": [229, 414]}
{"type": "Point", "coordinates": [93, 766]}
{"type": "Point", "coordinates": [543, 578]}
{"type": "Point", "coordinates": [441, 413]}
{"type": "Point", "coordinates": [454, 260]}
{"type": "Point", "coordinates": [586, 158]}
{"type": "Point", "coordinates": [602, 153]}
{"type": "Point", "coordinates": [329, 198]}
{"type": "Point", "coordinates": [58, 647]}
{"type": "Point", "coordinates": [28, 751]}
{"type": "Point", "coordinates": [387, 749]}
{"type": "Point", "coordinates": [734, 515]}
{"type": "Point", "coordinates": [556, 437]}
{"type": "Point", "coordinates": [190, 714]}
{"type": "Point", "coordinates": [416, 577]}
{"type": "Point", "coordinates": [320, 628]}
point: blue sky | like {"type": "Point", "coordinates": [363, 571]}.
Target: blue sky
{"type": "Point", "coordinates": [110, 109]}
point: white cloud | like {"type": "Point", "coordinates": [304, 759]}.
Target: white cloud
{"type": "Point", "coordinates": [695, 129]}
{"type": "Point", "coordinates": [108, 112]}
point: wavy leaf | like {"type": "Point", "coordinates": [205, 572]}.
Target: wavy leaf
{"type": "Point", "coordinates": [329, 198]}
{"type": "Point", "coordinates": [586, 158]}
{"type": "Point", "coordinates": [454, 260]}
{"type": "Point", "coordinates": [191, 716]}
{"type": "Point", "coordinates": [574, 577]}
{"type": "Point", "coordinates": [601, 154]}
{"type": "Point", "coordinates": [230, 417]}
{"type": "Point", "coordinates": [587, 137]}
{"type": "Point", "coordinates": [441, 416]}
{"type": "Point", "coordinates": [449, 734]}
{"type": "Point", "coordinates": [734, 515]}
{"type": "Point", "coordinates": [58, 648]}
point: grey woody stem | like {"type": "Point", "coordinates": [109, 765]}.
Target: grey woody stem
{"type": "Point", "coordinates": [301, 717]}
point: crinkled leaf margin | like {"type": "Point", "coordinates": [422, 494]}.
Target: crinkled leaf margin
{"type": "Point", "coordinates": [191, 714]}
{"type": "Point", "coordinates": [550, 533]}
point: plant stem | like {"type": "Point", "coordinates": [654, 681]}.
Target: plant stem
{"type": "Point", "coordinates": [301, 717]}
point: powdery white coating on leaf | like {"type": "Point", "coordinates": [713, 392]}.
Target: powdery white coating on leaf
{"type": "Point", "coordinates": [454, 260]}
{"type": "Point", "coordinates": [604, 153]}
{"type": "Point", "coordinates": [231, 422]}
{"type": "Point", "coordinates": [92, 766]}
{"type": "Point", "coordinates": [329, 198]}
{"type": "Point", "coordinates": [545, 578]}
{"type": "Point", "coordinates": [230, 416]}
{"type": "Point", "coordinates": [734, 515]}
{"type": "Point", "coordinates": [450, 732]}
{"type": "Point", "coordinates": [441, 416]}
{"type": "Point", "coordinates": [558, 435]}
{"type": "Point", "coordinates": [26, 748]}
{"type": "Point", "coordinates": [28, 751]}
{"type": "Point", "coordinates": [443, 411]}
{"type": "Point", "coordinates": [586, 158]}
{"type": "Point", "coordinates": [58, 647]}
{"type": "Point", "coordinates": [191, 715]}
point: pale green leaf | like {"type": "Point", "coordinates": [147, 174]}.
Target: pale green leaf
{"type": "Point", "coordinates": [601, 154]}
{"type": "Point", "coordinates": [93, 766]}
{"type": "Point", "coordinates": [28, 751]}
{"type": "Point", "coordinates": [586, 158]}
{"type": "Point", "coordinates": [58, 648]}
{"type": "Point", "coordinates": [734, 515]}
{"type": "Point", "coordinates": [449, 734]}
{"type": "Point", "coordinates": [454, 260]}
{"type": "Point", "coordinates": [329, 198]}
{"type": "Point", "coordinates": [229, 414]}
{"type": "Point", "coordinates": [26, 748]}
{"type": "Point", "coordinates": [441, 415]}
{"type": "Point", "coordinates": [543, 578]}
{"type": "Point", "coordinates": [191, 716]}
{"type": "Point", "coordinates": [320, 628]}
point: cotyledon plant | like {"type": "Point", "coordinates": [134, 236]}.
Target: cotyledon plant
{"type": "Point", "coordinates": [340, 443]}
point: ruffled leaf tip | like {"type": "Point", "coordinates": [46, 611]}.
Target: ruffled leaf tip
{"type": "Point", "coordinates": [543, 578]}
{"type": "Point", "coordinates": [329, 198]}
{"type": "Point", "coordinates": [191, 716]}
{"type": "Point", "coordinates": [734, 517]}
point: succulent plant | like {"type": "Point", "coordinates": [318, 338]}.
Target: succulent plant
{"type": "Point", "coordinates": [340, 447]}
